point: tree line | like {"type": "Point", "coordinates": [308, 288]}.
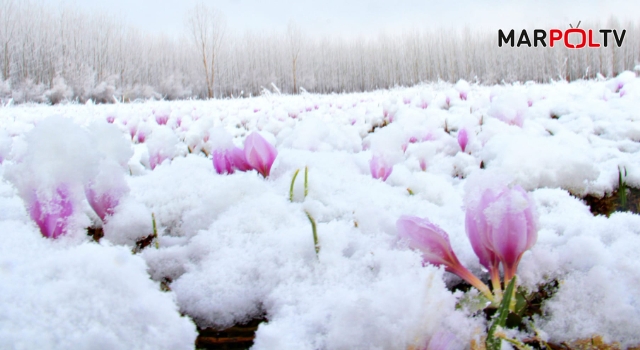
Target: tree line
{"type": "Point", "coordinates": [53, 54]}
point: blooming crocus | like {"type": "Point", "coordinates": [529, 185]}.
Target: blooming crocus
{"type": "Point", "coordinates": [436, 248]}
{"type": "Point", "coordinates": [380, 169]}
{"type": "Point", "coordinates": [477, 229]}
{"type": "Point", "coordinates": [512, 227]}
{"type": "Point", "coordinates": [156, 159]}
{"type": "Point", "coordinates": [133, 129]}
{"type": "Point", "coordinates": [222, 163]}
{"type": "Point", "coordinates": [52, 215]}
{"type": "Point", "coordinates": [111, 119]}
{"type": "Point", "coordinates": [463, 139]}
{"type": "Point", "coordinates": [104, 203]}
{"type": "Point", "coordinates": [423, 164]}
{"type": "Point", "coordinates": [229, 160]}
{"type": "Point", "coordinates": [162, 119]}
{"type": "Point", "coordinates": [259, 153]}
{"type": "Point", "coordinates": [142, 136]}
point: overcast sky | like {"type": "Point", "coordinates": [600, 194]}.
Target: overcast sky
{"type": "Point", "coordinates": [366, 17]}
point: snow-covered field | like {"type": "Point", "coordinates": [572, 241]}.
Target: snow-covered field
{"type": "Point", "coordinates": [233, 247]}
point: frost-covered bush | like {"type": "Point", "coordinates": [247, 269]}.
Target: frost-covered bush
{"type": "Point", "coordinates": [104, 92]}
{"type": "Point", "coordinates": [59, 92]}
{"type": "Point", "coordinates": [29, 91]}
{"type": "Point", "coordinates": [172, 88]}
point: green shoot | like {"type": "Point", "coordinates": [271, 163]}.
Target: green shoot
{"type": "Point", "coordinates": [315, 232]}
{"type": "Point", "coordinates": [293, 181]}
{"type": "Point", "coordinates": [155, 230]}
{"type": "Point", "coordinates": [306, 181]}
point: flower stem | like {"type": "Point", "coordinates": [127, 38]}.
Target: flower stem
{"type": "Point", "coordinates": [512, 304]}
{"type": "Point", "coordinates": [472, 280]}
{"type": "Point", "coordinates": [495, 281]}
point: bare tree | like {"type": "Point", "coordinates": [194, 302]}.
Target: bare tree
{"type": "Point", "coordinates": [207, 27]}
{"type": "Point", "coordinates": [8, 10]}
{"type": "Point", "coordinates": [294, 40]}
{"type": "Point", "coordinates": [55, 53]}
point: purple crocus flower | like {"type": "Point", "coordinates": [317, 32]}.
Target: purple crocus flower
{"type": "Point", "coordinates": [478, 229]}
{"type": "Point", "coordinates": [259, 153]}
{"type": "Point", "coordinates": [156, 159]}
{"type": "Point", "coordinates": [436, 248]}
{"type": "Point", "coordinates": [423, 164]}
{"type": "Point", "coordinates": [162, 119]}
{"type": "Point", "coordinates": [222, 163]}
{"type": "Point", "coordinates": [227, 161]}
{"type": "Point", "coordinates": [441, 340]}
{"type": "Point", "coordinates": [104, 203]}
{"type": "Point", "coordinates": [52, 215]}
{"type": "Point", "coordinates": [380, 169]}
{"type": "Point", "coordinates": [133, 129]}
{"type": "Point", "coordinates": [463, 139]}
{"type": "Point", "coordinates": [142, 135]}
{"type": "Point", "coordinates": [239, 159]}
{"type": "Point", "coordinates": [512, 227]}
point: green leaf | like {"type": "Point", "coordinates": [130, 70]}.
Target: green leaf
{"type": "Point", "coordinates": [521, 303]}
{"type": "Point", "coordinates": [500, 320]}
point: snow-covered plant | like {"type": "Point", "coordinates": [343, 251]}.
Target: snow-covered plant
{"type": "Point", "coordinates": [162, 116]}
{"type": "Point", "coordinates": [51, 171]}
{"type": "Point", "coordinates": [260, 154]}
{"type": "Point", "coordinates": [380, 167]}
{"type": "Point", "coordinates": [436, 249]}
{"type": "Point", "coordinates": [143, 132]}
{"type": "Point", "coordinates": [52, 214]}
{"type": "Point", "coordinates": [105, 190]}
{"type": "Point", "coordinates": [163, 144]}
{"type": "Point", "coordinates": [463, 89]}
{"type": "Point", "coordinates": [509, 108]}
{"type": "Point", "coordinates": [132, 127]}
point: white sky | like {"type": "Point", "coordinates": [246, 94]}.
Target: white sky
{"type": "Point", "coordinates": [366, 17]}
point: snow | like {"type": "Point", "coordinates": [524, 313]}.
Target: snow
{"type": "Point", "coordinates": [234, 247]}
{"type": "Point", "coordinates": [80, 295]}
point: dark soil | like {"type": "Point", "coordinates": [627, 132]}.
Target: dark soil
{"type": "Point", "coordinates": [238, 337]}
{"type": "Point", "coordinates": [627, 201]}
